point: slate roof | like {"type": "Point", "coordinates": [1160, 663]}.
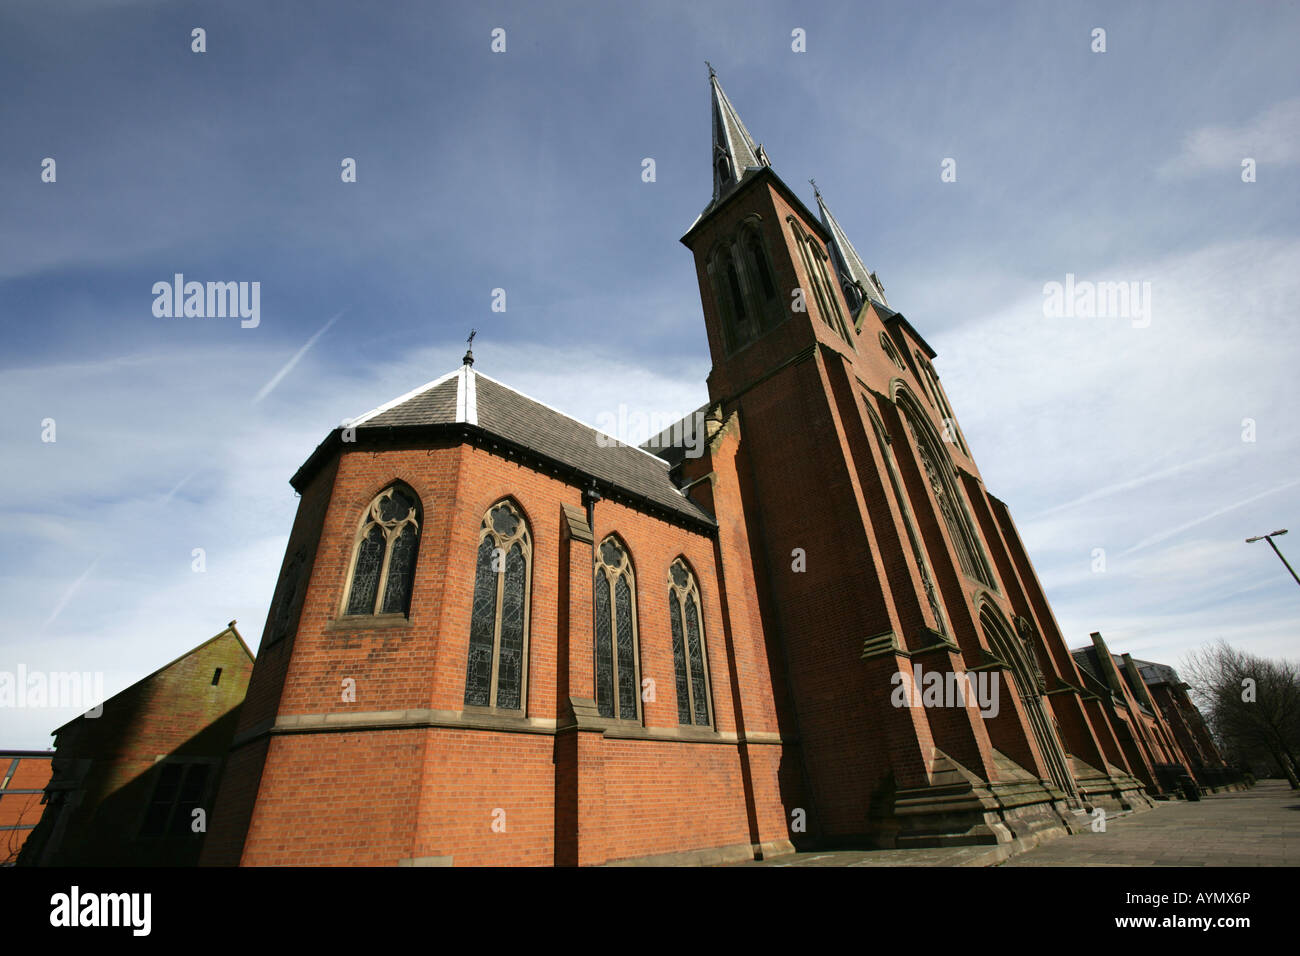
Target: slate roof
{"type": "Point", "coordinates": [1087, 659]}
{"type": "Point", "coordinates": [475, 400]}
{"type": "Point", "coordinates": [1154, 673]}
{"type": "Point", "coordinates": [437, 404]}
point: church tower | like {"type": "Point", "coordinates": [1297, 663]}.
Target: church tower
{"type": "Point", "coordinates": [932, 693]}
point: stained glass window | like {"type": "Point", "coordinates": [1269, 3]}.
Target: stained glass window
{"type": "Point", "coordinates": [365, 580]}
{"type": "Point", "coordinates": [604, 649]}
{"type": "Point", "coordinates": [512, 632]}
{"type": "Point", "coordinates": [497, 671]}
{"type": "Point", "coordinates": [696, 657]}
{"type": "Point", "coordinates": [679, 660]}
{"type": "Point", "coordinates": [388, 541]}
{"type": "Point", "coordinates": [401, 562]}
{"type": "Point", "coordinates": [689, 661]}
{"type": "Point", "coordinates": [626, 652]}
{"type": "Point", "coordinates": [478, 680]}
{"type": "Point", "coordinates": [616, 646]}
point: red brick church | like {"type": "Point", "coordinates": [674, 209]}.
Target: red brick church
{"type": "Point", "coordinates": [499, 637]}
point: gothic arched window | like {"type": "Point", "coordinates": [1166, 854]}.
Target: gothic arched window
{"type": "Point", "coordinates": [384, 552]}
{"type": "Point", "coordinates": [1017, 652]}
{"type": "Point", "coordinates": [689, 658]}
{"type": "Point", "coordinates": [913, 537]}
{"type": "Point", "coordinates": [937, 468]}
{"type": "Point", "coordinates": [744, 287]}
{"type": "Point", "coordinates": [497, 672]}
{"type": "Point", "coordinates": [617, 666]}
{"type": "Point", "coordinates": [892, 351]}
{"type": "Point", "coordinates": [823, 291]}
{"type": "Point", "coordinates": [930, 379]}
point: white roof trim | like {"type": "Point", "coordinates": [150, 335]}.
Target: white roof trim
{"type": "Point", "coordinates": [471, 396]}
{"type": "Point", "coordinates": [466, 396]}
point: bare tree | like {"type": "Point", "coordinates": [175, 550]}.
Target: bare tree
{"type": "Point", "coordinates": [1251, 703]}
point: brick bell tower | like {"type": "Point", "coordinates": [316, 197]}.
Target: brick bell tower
{"type": "Point", "coordinates": [876, 549]}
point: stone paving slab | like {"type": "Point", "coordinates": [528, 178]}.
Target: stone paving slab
{"type": "Point", "coordinates": [1255, 827]}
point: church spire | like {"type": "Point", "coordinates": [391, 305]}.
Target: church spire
{"type": "Point", "coordinates": [858, 281]}
{"type": "Point", "coordinates": [734, 150]}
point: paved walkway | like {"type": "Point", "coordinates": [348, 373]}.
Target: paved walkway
{"type": "Point", "coordinates": [1256, 827]}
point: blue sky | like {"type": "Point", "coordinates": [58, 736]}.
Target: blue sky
{"type": "Point", "coordinates": [522, 170]}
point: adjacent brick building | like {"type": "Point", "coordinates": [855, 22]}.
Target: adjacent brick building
{"type": "Point", "coordinates": [23, 776]}
{"type": "Point", "coordinates": [500, 637]}
{"type": "Point", "coordinates": [127, 783]}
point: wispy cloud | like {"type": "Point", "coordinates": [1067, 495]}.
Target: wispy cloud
{"type": "Point", "coordinates": [1272, 138]}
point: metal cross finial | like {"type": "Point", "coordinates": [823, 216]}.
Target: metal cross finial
{"type": "Point", "coordinates": [816, 191]}
{"type": "Point", "coordinates": [712, 71]}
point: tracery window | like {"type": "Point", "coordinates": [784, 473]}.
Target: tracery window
{"type": "Point", "coordinates": [384, 552]}
{"type": "Point", "coordinates": [914, 539]}
{"type": "Point", "coordinates": [823, 291]}
{"type": "Point", "coordinates": [930, 379]}
{"type": "Point", "coordinates": [617, 661]}
{"type": "Point", "coordinates": [944, 485]}
{"type": "Point", "coordinates": [497, 672]}
{"type": "Point", "coordinates": [689, 658]}
{"type": "Point", "coordinates": [744, 287]}
{"type": "Point", "coordinates": [1018, 653]}
{"type": "Point", "coordinates": [892, 351]}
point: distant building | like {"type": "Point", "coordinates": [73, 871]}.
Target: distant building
{"type": "Point", "coordinates": [1188, 726]}
{"type": "Point", "coordinates": [1139, 699]}
{"type": "Point", "coordinates": [126, 784]}
{"type": "Point", "coordinates": [23, 776]}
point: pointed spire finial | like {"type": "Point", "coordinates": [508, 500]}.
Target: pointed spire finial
{"type": "Point", "coordinates": [852, 270]}
{"type": "Point", "coordinates": [816, 191]}
{"type": "Point", "coordinates": [734, 150]}
{"type": "Point", "coordinates": [712, 71]}
{"type": "Point", "coordinates": [469, 352]}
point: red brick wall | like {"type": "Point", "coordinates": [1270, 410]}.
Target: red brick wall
{"type": "Point", "coordinates": [386, 795]}
{"type": "Point", "coordinates": [20, 810]}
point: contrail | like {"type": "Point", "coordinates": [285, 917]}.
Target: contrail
{"type": "Point", "coordinates": [180, 484]}
{"type": "Point", "coordinates": [1131, 483]}
{"type": "Point", "coordinates": [1161, 536]}
{"type": "Point", "coordinates": [67, 595]}
{"type": "Point", "coordinates": [288, 366]}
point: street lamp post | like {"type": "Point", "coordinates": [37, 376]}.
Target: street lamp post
{"type": "Point", "coordinates": [1269, 538]}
